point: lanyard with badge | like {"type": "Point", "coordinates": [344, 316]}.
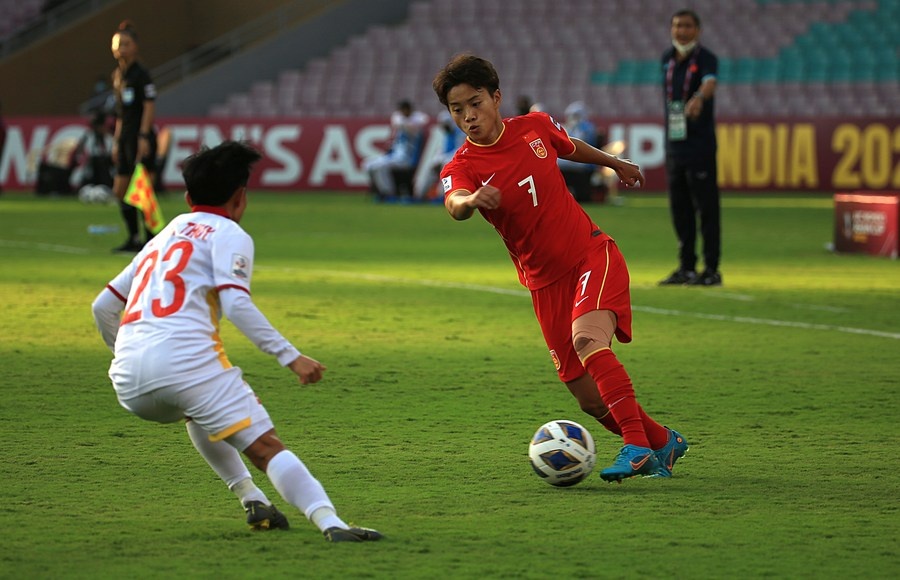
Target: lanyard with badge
{"type": "Point", "coordinates": [677, 122]}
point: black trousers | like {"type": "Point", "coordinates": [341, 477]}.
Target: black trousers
{"type": "Point", "coordinates": [693, 194]}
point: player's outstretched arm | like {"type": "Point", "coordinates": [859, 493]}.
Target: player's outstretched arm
{"type": "Point", "coordinates": [628, 172]}
{"type": "Point", "coordinates": [243, 313]}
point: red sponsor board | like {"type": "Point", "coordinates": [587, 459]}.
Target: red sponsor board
{"type": "Point", "coordinates": [867, 223]}
{"type": "Point", "coordinates": [327, 154]}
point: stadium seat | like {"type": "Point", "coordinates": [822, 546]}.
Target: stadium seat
{"type": "Point", "coordinates": [763, 46]}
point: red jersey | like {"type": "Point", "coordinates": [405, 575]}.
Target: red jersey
{"type": "Point", "coordinates": [545, 230]}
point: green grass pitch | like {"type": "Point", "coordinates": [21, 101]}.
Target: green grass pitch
{"type": "Point", "coordinates": [785, 381]}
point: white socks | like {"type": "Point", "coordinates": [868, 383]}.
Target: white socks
{"type": "Point", "coordinates": [303, 491]}
{"type": "Point", "coordinates": [286, 472]}
{"type": "Point", "coordinates": [227, 463]}
{"type": "Point", "coordinates": [325, 517]}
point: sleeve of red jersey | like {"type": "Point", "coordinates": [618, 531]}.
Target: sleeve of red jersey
{"type": "Point", "coordinates": [559, 138]}
{"type": "Point", "coordinates": [454, 177]}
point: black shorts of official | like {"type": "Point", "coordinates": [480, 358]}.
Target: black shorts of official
{"type": "Point", "coordinates": [128, 153]}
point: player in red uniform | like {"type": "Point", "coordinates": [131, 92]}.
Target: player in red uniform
{"type": "Point", "coordinates": [578, 279]}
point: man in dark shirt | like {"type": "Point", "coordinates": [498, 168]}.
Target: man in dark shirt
{"type": "Point", "coordinates": [689, 86]}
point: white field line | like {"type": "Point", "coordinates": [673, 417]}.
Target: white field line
{"type": "Point", "coordinates": [835, 309]}
{"type": "Point", "coordinates": [44, 247]}
{"type": "Point", "coordinates": [648, 309]}
{"type": "Point", "coordinates": [769, 322]}
{"type": "Point", "coordinates": [511, 292]}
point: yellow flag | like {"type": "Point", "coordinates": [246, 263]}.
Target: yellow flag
{"type": "Point", "coordinates": [140, 194]}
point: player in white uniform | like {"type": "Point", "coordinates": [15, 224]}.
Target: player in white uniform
{"type": "Point", "coordinates": [169, 361]}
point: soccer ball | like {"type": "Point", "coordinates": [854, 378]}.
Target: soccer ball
{"type": "Point", "coordinates": [95, 194]}
{"type": "Point", "coordinates": [562, 453]}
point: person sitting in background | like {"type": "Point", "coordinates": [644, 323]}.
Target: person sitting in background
{"type": "Point", "coordinates": [427, 178]}
{"type": "Point", "coordinates": [102, 99]}
{"type": "Point", "coordinates": [578, 175]}
{"type": "Point", "coordinates": [94, 153]}
{"type": "Point", "coordinates": [408, 130]}
{"type": "Point", "coordinates": [604, 181]}
{"type": "Point", "coordinates": [2, 138]}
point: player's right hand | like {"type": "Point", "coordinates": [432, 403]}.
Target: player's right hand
{"type": "Point", "coordinates": [485, 197]}
{"type": "Point", "coordinates": [308, 370]}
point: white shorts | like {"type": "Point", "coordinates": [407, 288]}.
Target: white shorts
{"type": "Point", "coordinates": [225, 406]}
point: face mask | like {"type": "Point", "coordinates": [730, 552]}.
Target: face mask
{"type": "Point", "coordinates": [684, 49]}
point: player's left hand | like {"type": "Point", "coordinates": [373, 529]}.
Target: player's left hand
{"type": "Point", "coordinates": [307, 369]}
{"type": "Point", "coordinates": [629, 173]}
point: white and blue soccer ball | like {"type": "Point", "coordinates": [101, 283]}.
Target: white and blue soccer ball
{"type": "Point", "coordinates": [95, 194]}
{"type": "Point", "coordinates": [562, 453]}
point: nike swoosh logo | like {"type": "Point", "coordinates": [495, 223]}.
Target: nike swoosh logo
{"type": "Point", "coordinates": [485, 182]}
{"type": "Point", "coordinates": [582, 300]}
{"type": "Point", "coordinates": [639, 464]}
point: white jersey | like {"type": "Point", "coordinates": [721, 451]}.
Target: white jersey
{"type": "Point", "coordinates": [169, 331]}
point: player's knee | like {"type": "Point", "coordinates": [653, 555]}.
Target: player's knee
{"type": "Point", "coordinates": [261, 451]}
{"type": "Point", "coordinates": [591, 333]}
{"type": "Point", "coordinates": [586, 345]}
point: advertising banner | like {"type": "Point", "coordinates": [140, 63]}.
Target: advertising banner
{"type": "Point", "coordinates": [327, 154]}
{"type": "Point", "coordinates": [866, 223]}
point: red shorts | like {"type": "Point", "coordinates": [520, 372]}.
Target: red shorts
{"type": "Point", "coordinates": [598, 282]}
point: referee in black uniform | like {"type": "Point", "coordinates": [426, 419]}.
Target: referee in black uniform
{"type": "Point", "coordinates": [134, 139]}
{"type": "Point", "coordinates": [690, 83]}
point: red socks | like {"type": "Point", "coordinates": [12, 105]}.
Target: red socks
{"type": "Point", "coordinates": [656, 433]}
{"type": "Point", "coordinates": [635, 426]}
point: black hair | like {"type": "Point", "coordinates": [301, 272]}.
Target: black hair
{"type": "Point", "coordinates": [212, 176]}
{"type": "Point", "coordinates": [686, 12]}
{"type": "Point", "coordinates": [465, 69]}
{"type": "Point", "coordinates": [127, 27]}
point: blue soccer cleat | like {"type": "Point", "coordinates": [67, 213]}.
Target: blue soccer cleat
{"type": "Point", "coordinates": [631, 461]}
{"type": "Point", "coordinates": [671, 452]}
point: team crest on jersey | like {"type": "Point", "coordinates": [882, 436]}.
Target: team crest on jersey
{"type": "Point", "coordinates": [536, 144]}
{"type": "Point", "coordinates": [240, 267]}
{"type": "Point", "coordinates": [555, 359]}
